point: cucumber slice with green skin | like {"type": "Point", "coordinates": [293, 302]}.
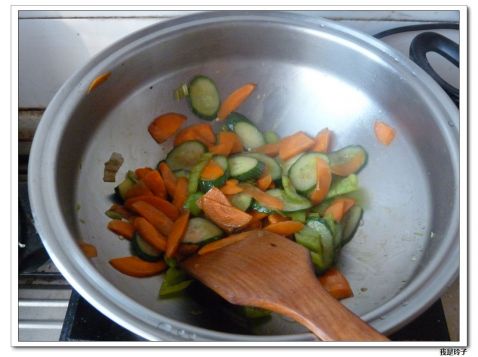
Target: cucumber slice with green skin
{"type": "Point", "coordinates": [303, 173]}
{"type": "Point", "coordinates": [326, 240]}
{"type": "Point", "coordinates": [186, 155]}
{"type": "Point", "coordinates": [206, 185]}
{"type": "Point", "coordinates": [144, 250]}
{"type": "Point", "coordinates": [351, 222]}
{"type": "Point", "coordinates": [250, 136]}
{"type": "Point", "coordinates": [191, 203]}
{"type": "Point", "coordinates": [318, 262]}
{"type": "Point", "coordinates": [289, 205]}
{"type": "Point", "coordinates": [291, 193]}
{"type": "Point", "coordinates": [272, 165]}
{"type": "Point", "coordinates": [271, 137]}
{"type": "Point", "coordinates": [286, 165]}
{"type": "Point", "coordinates": [222, 162]}
{"type": "Point", "coordinates": [299, 216]}
{"type": "Point", "coordinates": [113, 215]}
{"type": "Point", "coordinates": [123, 187]}
{"type": "Point", "coordinates": [309, 238]}
{"type": "Point", "coordinates": [175, 281]}
{"type": "Point", "coordinates": [351, 159]}
{"type": "Point", "coordinates": [195, 173]}
{"type": "Point", "coordinates": [245, 168]}
{"type": "Point", "coordinates": [201, 231]}
{"type": "Point", "coordinates": [256, 206]}
{"type": "Point", "coordinates": [342, 186]}
{"type": "Point", "coordinates": [241, 200]}
{"type": "Point", "coordinates": [203, 97]}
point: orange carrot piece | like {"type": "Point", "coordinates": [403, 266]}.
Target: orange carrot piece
{"type": "Point", "coordinates": [384, 133]}
{"type": "Point", "coordinates": [227, 217]}
{"type": "Point", "coordinates": [155, 183]}
{"type": "Point", "coordinates": [212, 171]}
{"type": "Point", "coordinates": [217, 195]}
{"type": "Point", "coordinates": [202, 132]}
{"type": "Point", "coordinates": [122, 228]}
{"type": "Point", "coordinates": [263, 198]}
{"type": "Point", "coordinates": [165, 126]}
{"type": "Point", "coordinates": [150, 234]}
{"type": "Point", "coordinates": [221, 243]}
{"type": "Point", "coordinates": [237, 143]}
{"type": "Point", "coordinates": [227, 143]}
{"type": "Point", "coordinates": [181, 192]}
{"type": "Point", "coordinates": [142, 172]}
{"type": "Point", "coordinates": [164, 206]}
{"type": "Point", "coordinates": [88, 249]}
{"type": "Point", "coordinates": [138, 189]}
{"type": "Point", "coordinates": [234, 100]}
{"type": "Point", "coordinates": [222, 148]}
{"type": "Point", "coordinates": [285, 228]}
{"type": "Point", "coordinates": [322, 141]}
{"type": "Point", "coordinates": [134, 266]}
{"type": "Point", "coordinates": [258, 216]}
{"type": "Point", "coordinates": [324, 180]}
{"type": "Point", "coordinates": [268, 149]}
{"type": "Point", "coordinates": [186, 249]}
{"type": "Point", "coordinates": [121, 210]}
{"type": "Point", "coordinates": [336, 210]}
{"type": "Point", "coordinates": [276, 218]}
{"type": "Point", "coordinates": [264, 182]}
{"type": "Point", "coordinates": [98, 81]}
{"type": "Point", "coordinates": [294, 144]}
{"type": "Point", "coordinates": [169, 178]}
{"type": "Point", "coordinates": [177, 232]}
{"type": "Point", "coordinates": [154, 216]}
{"type": "Point", "coordinates": [336, 284]}
{"type": "Point", "coordinates": [257, 224]}
{"type": "Point", "coordinates": [231, 187]}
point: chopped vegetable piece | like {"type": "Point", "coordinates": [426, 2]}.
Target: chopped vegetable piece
{"type": "Point", "coordinates": [177, 233]}
{"type": "Point", "coordinates": [191, 203]}
{"type": "Point", "coordinates": [98, 81]}
{"type": "Point", "coordinates": [336, 284]}
{"type": "Point", "coordinates": [204, 97]}
{"type": "Point", "coordinates": [134, 266]}
{"type": "Point", "coordinates": [231, 187]}
{"type": "Point", "coordinates": [288, 204]}
{"type": "Point", "coordinates": [138, 189]}
{"type": "Point", "coordinates": [264, 181]}
{"type": "Point", "coordinates": [245, 168]}
{"type": "Point", "coordinates": [212, 171]}
{"type": "Point", "coordinates": [285, 228]}
{"type": "Point", "coordinates": [117, 212]}
{"type": "Point", "coordinates": [324, 180]}
{"type": "Point", "coordinates": [294, 144]}
{"type": "Point", "coordinates": [271, 137]}
{"type": "Point", "coordinates": [122, 228]}
{"type": "Point", "coordinates": [291, 194]}
{"type": "Point", "coordinates": [351, 222]}
{"type": "Point", "coordinates": [322, 141]}
{"type": "Point", "coordinates": [241, 200]}
{"type": "Point", "coordinates": [384, 132]}
{"type": "Point", "coordinates": [263, 198]}
{"type": "Point", "coordinates": [343, 186]}
{"type": "Point", "coordinates": [348, 160]}
{"type": "Point", "coordinates": [150, 234]}
{"type": "Point", "coordinates": [142, 172]}
{"type": "Point", "coordinates": [175, 281]}
{"type": "Point", "coordinates": [336, 210]}
{"type": "Point", "coordinates": [196, 172]}
{"type": "Point", "coordinates": [112, 166]}
{"type": "Point", "coordinates": [208, 248]}
{"type": "Point", "coordinates": [186, 155]}
{"type": "Point", "coordinates": [201, 132]}
{"type": "Point", "coordinates": [142, 249]}
{"type": "Point", "coordinates": [303, 173]}
{"type": "Point", "coordinates": [201, 231]}
{"type": "Point", "coordinates": [247, 132]}
{"type": "Point", "coordinates": [154, 216]}
{"type": "Point", "coordinates": [217, 195]}
{"type": "Point", "coordinates": [155, 183]}
{"type": "Point", "coordinates": [235, 99]}
{"type": "Point", "coordinates": [275, 218]}
{"type": "Point", "coordinates": [168, 176]}
{"type": "Point", "coordinates": [165, 126]}
{"type": "Point", "coordinates": [186, 249]}
{"type": "Point", "coordinates": [181, 192]}
{"type": "Point", "coordinates": [268, 149]}
{"type": "Point", "coordinates": [88, 249]}
{"type": "Point", "coordinates": [164, 206]}
{"type": "Point", "coordinates": [227, 217]}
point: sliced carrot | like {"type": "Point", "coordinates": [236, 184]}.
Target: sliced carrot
{"type": "Point", "coordinates": [234, 100]}
{"type": "Point", "coordinates": [324, 180]}
{"type": "Point", "coordinates": [186, 249]}
{"type": "Point", "coordinates": [88, 249]}
{"type": "Point", "coordinates": [122, 211]}
{"type": "Point", "coordinates": [384, 132]}
{"type": "Point", "coordinates": [98, 81]}
{"type": "Point", "coordinates": [294, 144]}
{"type": "Point", "coordinates": [221, 243]}
{"type": "Point", "coordinates": [322, 141]}
{"type": "Point", "coordinates": [132, 218]}
{"type": "Point", "coordinates": [134, 266]}
{"type": "Point", "coordinates": [142, 172]}
{"type": "Point", "coordinates": [348, 203]}
{"type": "Point", "coordinates": [228, 143]}
{"type": "Point", "coordinates": [336, 210]}
{"type": "Point", "coordinates": [231, 187]}
{"type": "Point", "coordinates": [336, 284]}
{"type": "Point", "coordinates": [138, 189]}
{"type": "Point", "coordinates": [154, 216]}
{"type": "Point", "coordinates": [263, 198]}
{"type": "Point", "coordinates": [257, 216]}
{"type": "Point", "coordinates": [177, 232]}
{"type": "Point", "coordinates": [237, 143]}
{"type": "Point", "coordinates": [285, 228]}
{"type": "Point", "coordinates": [217, 195]}
{"type": "Point", "coordinates": [155, 183]}
{"type": "Point", "coordinates": [275, 218]}
{"type": "Point", "coordinates": [164, 206]}
{"type": "Point", "coordinates": [264, 181]}
{"type": "Point", "coordinates": [122, 228]}
{"type": "Point", "coordinates": [150, 234]}
{"type": "Point", "coordinates": [165, 126]}
{"type": "Point", "coordinates": [268, 149]}
{"type": "Point", "coordinates": [181, 192]}
{"type": "Point", "coordinates": [224, 148]}
{"type": "Point", "coordinates": [227, 217]}
{"type": "Point", "coordinates": [212, 171]}
{"type": "Point", "coordinates": [254, 225]}
{"type": "Point", "coordinates": [202, 132]}
{"type": "Point", "coordinates": [169, 177]}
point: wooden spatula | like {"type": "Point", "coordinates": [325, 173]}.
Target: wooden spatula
{"type": "Point", "coordinates": [269, 271]}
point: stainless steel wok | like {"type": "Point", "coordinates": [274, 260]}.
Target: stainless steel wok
{"type": "Point", "coordinates": [311, 73]}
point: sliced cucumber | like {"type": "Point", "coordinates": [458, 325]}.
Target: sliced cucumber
{"type": "Point", "coordinates": [222, 162]}
{"type": "Point", "coordinates": [291, 193]}
{"type": "Point", "coordinates": [286, 165]}
{"type": "Point", "coordinates": [174, 282]}
{"type": "Point", "coordinates": [185, 155]}
{"type": "Point", "coordinates": [303, 173]}
{"type": "Point", "coordinates": [248, 133]}
{"type": "Point", "coordinates": [341, 186]}
{"type": "Point", "coordinates": [309, 238]}
{"type": "Point", "coordinates": [193, 182]}
{"type": "Point", "coordinates": [351, 222]}
{"type": "Point", "coordinates": [256, 206]}
{"type": "Point", "coordinates": [245, 168]}
{"type": "Point", "coordinates": [348, 160]}
{"type": "Point", "coordinates": [299, 216]}
{"type": "Point", "coordinates": [271, 137]}
{"type": "Point", "coordinates": [204, 97]}
{"type": "Point", "coordinates": [144, 250]}
{"type": "Point", "coordinates": [124, 186]}
{"type": "Point", "coordinates": [241, 200]}
{"type": "Point", "coordinates": [289, 206]}
{"type": "Point", "coordinates": [191, 203]}
{"type": "Point", "coordinates": [113, 214]}
{"type": "Point", "coordinates": [318, 262]}
{"type": "Point", "coordinates": [272, 165]}
{"type": "Point", "coordinates": [326, 239]}
{"type": "Point", "coordinates": [201, 231]}
{"type": "Point", "coordinates": [206, 185]}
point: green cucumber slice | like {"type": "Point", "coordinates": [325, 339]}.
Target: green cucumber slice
{"type": "Point", "coordinates": [271, 137]}
{"type": "Point", "coordinates": [344, 185]}
{"type": "Point", "coordinates": [309, 238]}
{"type": "Point", "coordinates": [191, 203]}
{"type": "Point", "coordinates": [174, 282]}
{"type": "Point", "coordinates": [124, 186]}
{"type": "Point", "coordinates": [286, 165]}
{"type": "Point", "coordinates": [248, 133]}
{"type": "Point", "coordinates": [272, 165]}
{"type": "Point", "coordinates": [201, 231]}
{"type": "Point", "coordinates": [195, 173]}
{"type": "Point", "coordinates": [351, 159]}
{"type": "Point", "coordinates": [351, 222]}
{"type": "Point", "coordinates": [144, 250]}
{"type": "Point", "coordinates": [290, 192]}
{"type": "Point", "coordinates": [203, 97]}
{"type": "Point", "coordinates": [241, 200]}
{"type": "Point", "coordinates": [303, 173]}
{"type": "Point", "coordinates": [289, 206]}
{"type": "Point", "coordinates": [245, 168]}
{"type": "Point", "coordinates": [326, 240]}
{"type": "Point", "coordinates": [186, 155]}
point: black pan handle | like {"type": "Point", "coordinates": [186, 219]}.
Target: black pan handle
{"type": "Point", "coordinates": [434, 42]}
